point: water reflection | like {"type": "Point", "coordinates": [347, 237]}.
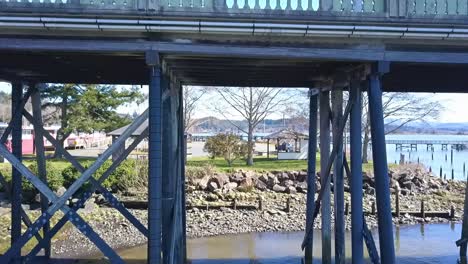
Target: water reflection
{"type": "Point", "coordinates": [432, 243]}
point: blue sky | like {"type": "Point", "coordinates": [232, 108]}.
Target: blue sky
{"type": "Point", "coordinates": [456, 105]}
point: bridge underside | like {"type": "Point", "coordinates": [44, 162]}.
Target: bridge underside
{"type": "Point", "coordinates": [165, 67]}
{"type": "Point", "coordinates": [218, 64]}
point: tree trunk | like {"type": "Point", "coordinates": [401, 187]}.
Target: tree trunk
{"type": "Point", "coordinates": [250, 145]}
{"type": "Point", "coordinates": [64, 123]}
{"type": "Point", "coordinates": [365, 146]}
{"type": "Point", "coordinates": [366, 140]}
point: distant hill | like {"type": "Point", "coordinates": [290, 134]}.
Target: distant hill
{"type": "Point", "coordinates": [215, 125]}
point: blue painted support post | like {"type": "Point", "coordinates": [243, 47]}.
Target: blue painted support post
{"type": "Point", "coordinates": [168, 177]}
{"type": "Point", "coordinates": [155, 159]}
{"type": "Point", "coordinates": [311, 171]}
{"type": "Point", "coordinates": [356, 178]}
{"type": "Point", "coordinates": [338, 177]}
{"type": "Point", "coordinates": [382, 183]}
{"type": "Point", "coordinates": [16, 187]}
{"type": "Point", "coordinates": [182, 160]}
{"type": "Point", "coordinates": [325, 181]}
{"type": "Point", "coordinates": [41, 159]}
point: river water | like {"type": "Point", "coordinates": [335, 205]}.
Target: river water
{"type": "Point", "coordinates": [435, 159]}
{"type": "Point", "coordinates": [417, 244]}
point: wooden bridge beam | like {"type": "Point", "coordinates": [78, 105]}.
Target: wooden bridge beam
{"type": "Point", "coordinates": [382, 185]}
{"type": "Point", "coordinates": [311, 174]}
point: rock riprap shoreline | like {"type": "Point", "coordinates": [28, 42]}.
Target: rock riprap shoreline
{"type": "Point", "coordinates": [219, 191]}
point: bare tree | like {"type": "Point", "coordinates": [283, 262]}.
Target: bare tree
{"type": "Point", "coordinates": [192, 96]}
{"type": "Point", "coordinates": [400, 109]}
{"type": "Point", "coordinates": [253, 105]}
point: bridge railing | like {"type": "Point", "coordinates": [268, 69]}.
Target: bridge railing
{"type": "Point", "coordinates": [357, 10]}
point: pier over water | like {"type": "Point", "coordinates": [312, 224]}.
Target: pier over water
{"type": "Point", "coordinates": [328, 46]}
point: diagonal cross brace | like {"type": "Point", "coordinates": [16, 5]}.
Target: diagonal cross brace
{"type": "Point", "coordinates": [97, 184]}
{"type": "Point", "coordinates": [333, 154]}
{"type": "Point", "coordinates": [88, 194]}
{"type": "Point", "coordinates": [59, 202]}
{"type": "Point", "coordinates": [45, 217]}
{"type": "Point", "coordinates": [16, 115]}
{"type": "Point", "coordinates": [24, 216]}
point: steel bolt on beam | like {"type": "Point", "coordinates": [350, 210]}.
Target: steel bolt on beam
{"type": "Point", "coordinates": [356, 178]}
{"type": "Point", "coordinates": [311, 167]}
{"type": "Point", "coordinates": [338, 182]}
{"type": "Point", "coordinates": [324, 154]}
{"type": "Point", "coordinates": [382, 186]}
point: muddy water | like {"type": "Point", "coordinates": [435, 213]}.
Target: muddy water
{"type": "Point", "coordinates": [418, 244]}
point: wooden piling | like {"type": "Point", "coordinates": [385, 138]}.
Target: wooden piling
{"type": "Point", "coordinates": [397, 202]}
{"type": "Point", "coordinates": [234, 204]}
{"type": "Point", "coordinates": [464, 233]}
{"type": "Point", "coordinates": [346, 212]}
{"type": "Point", "coordinates": [288, 205]}
{"type": "Point", "coordinates": [373, 210]}
{"type": "Point", "coordinates": [440, 172]}
{"type": "Point", "coordinates": [423, 212]}
{"type": "Point", "coordinates": [260, 203]}
{"type": "Point", "coordinates": [402, 159]}
{"type": "Point", "coordinates": [430, 169]}
{"type": "Point", "coordinates": [452, 212]}
{"type": "Point", "coordinates": [451, 156]}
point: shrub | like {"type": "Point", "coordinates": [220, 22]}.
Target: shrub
{"type": "Point", "coordinates": [193, 173]}
{"type": "Point", "coordinates": [130, 174]}
{"type": "Point", "coordinates": [228, 146]}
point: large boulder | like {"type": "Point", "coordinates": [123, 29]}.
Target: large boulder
{"type": "Point", "coordinates": [212, 186]}
{"type": "Point", "coordinates": [203, 182]}
{"type": "Point", "coordinates": [272, 181]}
{"type": "Point", "coordinates": [236, 177]}
{"type": "Point", "coordinates": [301, 176]}
{"type": "Point", "coordinates": [264, 178]}
{"type": "Point", "coordinates": [247, 182]}
{"type": "Point", "coordinates": [293, 175]}
{"type": "Point", "coordinates": [279, 188]}
{"type": "Point", "coordinates": [282, 176]}
{"type": "Point", "coordinates": [301, 187]}
{"type": "Point", "coordinates": [409, 185]}
{"type": "Point", "coordinates": [230, 186]}
{"type": "Point", "coordinates": [60, 191]}
{"type": "Point", "coordinates": [291, 190]}
{"type": "Point", "coordinates": [220, 179]}
{"type": "Point", "coordinates": [260, 185]}
{"type": "Point", "coordinates": [287, 183]}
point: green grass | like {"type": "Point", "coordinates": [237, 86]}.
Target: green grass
{"type": "Point", "coordinates": [261, 164]}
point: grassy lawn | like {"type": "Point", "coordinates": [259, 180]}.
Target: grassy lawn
{"type": "Point", "coordinates": [59, 164]}
{"type": "Point", "coordinates": [260, 164]}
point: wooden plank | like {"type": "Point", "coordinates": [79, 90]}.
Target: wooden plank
{"type": "Point", "coordinates": [338, 179]}
{"type": "Point", "coordinates": [325, 181]}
